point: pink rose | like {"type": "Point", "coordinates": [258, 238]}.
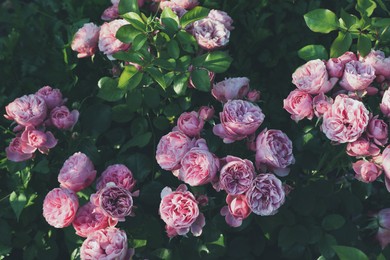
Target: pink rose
{"type": "Point", "coordinates": [386, 164]}
{"type": "Point", "coordinates": [190, 123]}
{"type": "Point", "coordinates": [37, 140]}
{"type": "Point", "coordinates": [108, 43]}
{"type": "Point", "coordinates": [357, 76]}
{"type": "Point", "coordinates": [118, 174]}
{"type": "Point", "coordinates": [180, 212]}
{"type": "Point", "coordinates": [60, 207]}
{"type": "Point", "coordinates": [206, 113]}
{"type": "Point", "coordinates": [299, 104]}
{"type": "Point", "coordinates": [90, 218]}
{"type": "Point", "coordinates": [383, 220]}
{"type": "Point", "coordinates": [62, 118]}
{"type": "Point", "coordinates": [266, 195]}
{"type": "Point", "coordinates": [362, 147]}
{"type": "Point", "coordinates": [109, 243]}
{"type": "Point", "coordinates": [85, 41]}
{"type": "Point", "coordinates": [231, 88]}
{"type": "Point", "coordinates": [110, 13]}
{"type": "Point", "coordinates": [210, 34]}
{"type": "Point", "coordinates": [312, 77]}
{"type": "Point", "coordinates": [28, 110]}
{"type": "Point", "coordinates": [321, 104]}
{"type": "Point", "coordinates": [335, 66]}
{"type": "Point", "coordinates": [186, 4]}
{"type": "Point", "coordinates": [346, 120]}
{"type": "Point", "coordinates": [253, 95]}
{"type": "Point", "coordinates": [171, 149]}
{"type": "Point", "coordinates": [379, 62]}
{"type": "Point", "coordinates": [236, 175]}
{"type": "Point", "coordinates": [239, 119]}
{"type": "Point", "coordinates": [366, 171]}
{"type": "Point", "coordinates": [77, 173]}
{"type": "Point", "coordinates": [221, 17]}
{"type": "Point", "coordinates": [53, 97]}
{"type": "Point", "coordinates": [385, 104]}
{"type": "Point", "coordinates": [377, 130]}
{"type": "Point", "coordinates": [177, 9]}
{"type": "Point", "coordinates": [274, 149]}
{"type": "Point", "coordinates": [16, 150]}
{"type": "Point", "coordinates": [236, 211]}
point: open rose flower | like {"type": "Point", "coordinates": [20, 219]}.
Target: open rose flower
{"type": "Point", "coordinates": [266, 195]}
{"type": "Point", "coordinates": [60, 207]}
{"type": "Point", "coordinates": [386, 166]}
{"type": "Point", "coordinates": [111, 12]}
{"type": "Point", "coordinates": [16, 150]}
{"type": "Point", "coordinates": [236, 211]}
{"type": "Point", "coordinates": [321, 104]}
{"type": "Point", "coordinates": [109, 243]}
{"type": "Point", "coordinates": [108, 43]}
{"type": "Point", "coordinates": [299, 104]}
{"type": "Point", "coordinates": [239, 119]}
{"type": "Point", "coordinates": [210, 34]}
{"type": "Point", "coordinates": [77, 173]}
{"type": "Point", "coordinates": [86, 39]}
{"type": "Point", "coordinates": [336, 66]}
{"type": "Point", "coordinates": [190, 123]}
{"type": "Point", "coordinates": [383, 221]}
{"type": "Point", "coordinates": [231, 88]}
{"type": "Point", "coordinates": [186, 4]}
{"type": "Point", "coordinates": [28, 110]}
{"type": "Point", "coordinates": [118, 174]}
{"type": "Point", "coordinates": [221, 17]}
{"type": "Point", "coordinates": [379, 62]}
{"type": "Point", "coordinates": [357, 76]}
{"type": "Point", "coordinates": [366, 171]}
{"type": "Point", "coordinates": [53, 97]}
{"type": "Point", "coordinates": [177, 9]}
{"type": "Point", "coordinates": [385, 104]}
{"type": "Point", "coordinates": [377, 130]}
{"type": "Point", "coordinates": [362, 147]}
{"type": "Point", "coordinates": [62, 118]}
{"type": "Point", "coordinates": [36, 139]}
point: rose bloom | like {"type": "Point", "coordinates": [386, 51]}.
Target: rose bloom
{"type": "Point", "coordinates": [60, 207]}
{"type": "Point", "coordinates": [190, 123]}
{"type": "Point", "coordinates": [386, 161]}
{"type": "Point", "coordinates": [118, 174]}
{"type": "Point", "coordinates": [231, 88]}
{"type": "Point", "coordinates": [90, 218]}
{"type": "Point", "coordinates": [366, 171]}
{"type": "Point", "coordinates": [385, 104]}
{"type": "Point", "coordinates": [210, 34]}
{"type": "Point", "coordinates": [380, 63]}
{"type": "Point", "coordinates": [77, 173]}
{"type": "Point", "coordinates": [383, 221]}
{"type": "Point", "coordinates": [53, 97]}
{"type": "Point", "coordinates": [180, 212]}
{"type": "Point", "coordinates": [335, 66]}
{"type": "Point", "coordinates": [357, 76]}
{"type": "Point", "coordinates": [186, 4]}
{"type": "Point", "coordinates": [321, 104]}
{"type": "Point", "coordinates": [110, 13]}
{"type": "Point", "coordinates": [37, 140]}
{"type": "Point", "coordinates": [239, 119]}
{"type": "Point", "coordinates": [177, 9]}
{"type": "Point", "coordinates": [108, 43]}
{"type": "Point", "coordinates": [236, 211]}
{"type": "Point", "coordinates": [221, 17]}
{"type": "Point", "coordinates": [312, 77]}
{"type": "Point", "coordinates": [236, 175]}
{"type": "Point", "coordinates": [86, 39]}
{"type": "Point", "coordinates": [274, 149]}
{"type": "Point", "coordinates": [299, 104]}
{"type": "Point", "coordinates": [362, 147]}
{"type": "Point", "coordinates": [266, 195]}
{"type": "Point", "coordinates": [28, 110]}
{"type": "Point", "coordinates": [171, 149]}
{"type": "Point", "coordinates": [377, 130]}
{"type": "Point", "coordinates": [15, 150]}
{"type": "Point", "coordinates": [206, 113]}
{"type": "Point", "coordinates": [346, 120]}
{"type": "Point", "coordinates": [109, 243]}
{"type": "Point", "coordinates": [62, 118]}
{"type": "Point", "coordinates": [253, 95]}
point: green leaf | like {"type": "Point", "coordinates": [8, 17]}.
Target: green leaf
{"type": "Point", "coordinates": [168, 64]}
{"type": "Point", "coordinates": [134, 100]}
{"type": "Point", "coordinates": [139, 140]}
{"type": "Point", "coordinates": [126, 6]}
{"type": "Point", "coordinates": [288, 236]}
{"type": "Point", "coordinates": [151, 97]}
{"type": "Point", "coordinates": [173, 49]}
{"type": "Point", "coordinates": [170, 21]}
{"type": "Point", "coordinates": [341, 44]}
{"type": "Point", "coordinates": [140, 165]}
{"type": "Point", "coordinates": [96, 125]}
{"type": "Point", "coordinates": [312, 52]}
{"type": "Point", "coordinates": [349, 20]}
{"type": "Point", "coordinates": [42, 166]}
{"type": "Point", "coordinates": [130, 78]}
{"type": "Point", "coordinates": [201, 80]}
{"type": "Point", "coordinates": [347, 253]}
{"type": "Point", "coordinates": [157, 76]}
{"type": "Point", "coordinates": [161, 122]}
{"type": "Point", "coordinates": [180, 83]}
{"type": "Point", "coordinates": [333, 222]}
{"type": "Point", "coordinates": [127, 33]}
{"type": "Point", "coordinates": [187, 41]}
{"type": "Point", "coordinates": [380, 22]}
{"type": "Point", "coordinates": [108, 89]}
{"type": "Point", "coordinates": [17, 201]}
{"type": "Point", "coordinates": [217, 61]}
{"type": "Point", "coordinates": [195, 14]}
{"type": "Point", "coordinates": [162, 253]}
{"type": "Point", "coordinates": [325, 246]}
{"type": "Point", "coordinates": [138, 126]}
{"type": "Point", "coordinates": [137, 243]}
{"type": "Point", "coordinates": [122, 113]}
{"type": "Point", "coordinates": [364, 45]}
{"type": "Point", "coordinates": [383, 6]}
{"type": "Point", "coordinates": [135, 20]}
{"type": "Point", "coordinates": [365, 7]}
{"type": "Point", "coordinates": [139, 42]}
{"type": "Point", "coordinates": [134, 57]}
{"type": "Point", "coordinates": [321, 20]}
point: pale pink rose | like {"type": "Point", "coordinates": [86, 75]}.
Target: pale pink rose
{"type": "Point", "coordinates": [77, 173]}
{"type": "Point", "coordinates": [236, 175]}
{"type": "Point", "coordinates": [221, 17]}
{"type": "Point", "coordinates": [15, 150]}
{"type": "Point", "coordinates": [60, 207]}
{"type": "Point", "coordinates": [380, 63]}
{"type": "Point", "coordinates": [206, 113]}
{"type": "Point", "coordinates": [109, 243]}
{"type": "Point", "coordinates": [366, 171]}
{"type": "Point", "coordinates": [236, 211]}
{"type": "Point", "coordinates": [335, 66]}
{"type": "Point", "coordinates": [377, 130]}
{"type": "Point", "coordinates": [210, 34]}
{"type": "Point", "coordinates": [90, 218]}
{"type": "Point", "coordinates": [239, 119]}
{"type": "Point", "coordinates": [62, 118]}
{"type": "Point", "coordinates": [38, 140]}
{"type": "Point", "coordinates": [186, 4]}
{"type": "Point", "coordinates": [383, 221]}
{"type": "Point", "coordinates": [190, 123]}
{"type": "Point", "coordinates": [28, 110]}
{"type": "Point", "coordinates": [231, 88]}
{"type": "Point", "coordinates": [171, 149]}
{"type": "Point", "coordinates": [385, 104]}
{"type": "Point", "coordinates": [52, 97]}
{"type": "Point", "coordinates": [266, 195]}
{"type": "Point", "coordinates": [346, 121]}
{"type": "Point", "coordinates": [274, 149]}
{"type": "Point", "coordinates": [312, 77]}
{"type": "Point", "coordinates": [110, 13]}
{"type": "Point", "coordinates": [253, 95]}
{"type": "Point", "coordinates": [299, 104]}
{"type": "Point", "coordinates": [321, 104]}
{"type": "Point", "coordinates": [362, 147]}
{"type": "Point", "coordinates": [85, 41]}
{"type": "Point", "coordinates": [108, 43]}
{"type": "Point", "coordinates": [118, 174]}
{"type": "Point", "coordinates": [357, 76]}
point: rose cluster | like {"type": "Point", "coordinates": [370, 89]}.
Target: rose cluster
{"type": "Point", "coordinates": [33, 114]}
{"type": "Point", "coordinates": [336, 91]}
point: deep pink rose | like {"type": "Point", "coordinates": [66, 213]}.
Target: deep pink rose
{"type": "Point", "coordinates": [253, 95]}
{"type": "Point", "coordinates": [221, 17]}
{"type": "Point", "coordinates": [312, 77]}
{"type": "Point", "coordinates": [37, 140]}
{"type": "Point", "coordinates": [62, 118]}
{"type": "Point", "coordinates": [118, 174]}
{"type": "Point", "coordinates": [186, 4]}
{"type": "Point", "coordinates": [206, 113]}
{"type": "Point", "coordinates": [16, 150]}
{"type": "Point", "coordinates": [171, 149]}
{"type": "Point", "coordinates": [380, 63]}
{"type": "Point", "coordinates": [236, 175]}
{"type": "Point", "coordinates": [299, 104]}
{"type": "Point", "coordinates": [346, 120]}
{"type": "Point", "coordinates": [190, 123]}
{"type": "Point", "coordinates": [385, 104]}
{"type": "Point", "coordinates": [52, 97]}
{"type": "Point", "coordinates": [60, 207]}
{"type": "Point", "coordinates": [266, 195]}
{"type": "Point", "coordinates": [108, 43]}
{"type": "Point", "coordinates": [236, 211]}
{"type": "Point", "coordinates": [85, 41]}
{"type": "Point", "coordinates": [239, 119]}
{"type": "Point", "coordinates": [77, 173]}
{"type": "Point", "coordinates": [366, 171]}
{"type": "Point", "coordinates": [274, 149]}
{"type": "Point", "coordinates": [109, 243]}
{"type": "Point", "coordinates": [362, 147]}
{"type": "Point", "coordinates": [377, 130]}
{"type": "Point", "coordinates": [383, 220]}
{"type": "Point", "coordinates": [231, 88]}
{"type": "Point", "coordinates": [321, 104]}
{"type": "Point", "coordinates": [335, 66]}
{"type": "Point", "coordinates": [28, 110]}
{"type": "Point", "coordinates": [210, 34]}
{"type": "Point", "coordinates": [357, 76]}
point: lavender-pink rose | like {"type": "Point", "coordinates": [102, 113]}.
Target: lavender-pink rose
{"type": "Point", "coordinates": [221, 17]}
{"type": "Point", "coordinates": [62, 118]}
{"type": "Point", "coordinates": [299, 104]}
{"type": "Point", "coordinates": [52, 97]}
{"type": "Point", "coordinates": [385, 103]}
{"type": "Point", "coordinates": [210, 34]}
{"type": "Point", "coordinates": [381, 64]}
{"type": "Point", "coordinates": [16, 150]}
{"type": "Point", "coordinates": [366, 171]}
{"type": "Point", "coordinates": [357, 76]}
{"type": "Point", "coordinates": [118, 174]}
{"type": "Point", "coordinates": [231, 88]}
{"type": "Point", "coordinates": [377, 130]}
{"type": "Point", "coordinates": [190, 123]}
{"type": "Point", "coordinates": [28, 110]}
{"type": "Point", "coordinates": [43, 141]}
